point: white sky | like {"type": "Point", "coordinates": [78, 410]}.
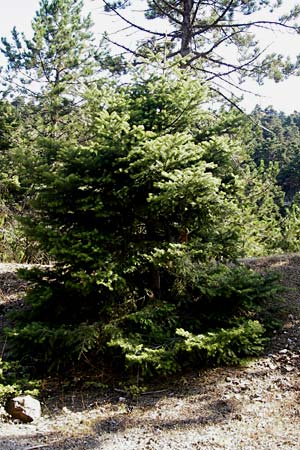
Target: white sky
{"type": "Point", "coordinates": [283, 96]}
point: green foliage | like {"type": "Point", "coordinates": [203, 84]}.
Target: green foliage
{"type": "Point", "coordinates": [214, 319]}
{"type": "Point", "coordinates": [45, 80]}
{"type": "Point", "coordinates": [277, 138]}
{"type": "Point", "coordinates": [261, 202]}
{"type": "Point", "coordinates": [137, 222]}
{"type": "Point", "coordinates": [48, 344]}
{"type": "Point", "coordinates": [60, 56]}
{"type": "Point", "coordinates": [206, 317]}
{"type": "Point", "coordinates": [13, 381]}
{"type": "Point", "coordinates": [13, 243]}
{"type": "Point", "coordinates": [275, 143]}
{"type": "Point", "coordinates": [223, 346]}
{"type": "Point", "coordinates": [291, 227]}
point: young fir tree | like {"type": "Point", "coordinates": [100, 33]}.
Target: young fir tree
{"type": "Point", "coordinates": [133, 220]}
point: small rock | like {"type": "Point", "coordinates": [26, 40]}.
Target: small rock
{"type": "Point", "coordinates": [256, 398]}
{"type": "Point", "coordinates": [236, 389]}
{"type": "Point", "coordinates": [66, 410]}
{"type": "Point", "coordinates": [24, 408]}
{"type": "Point", "coordinates": [244, 385]}
{"type": "Point", "coordinates": [238, 417]}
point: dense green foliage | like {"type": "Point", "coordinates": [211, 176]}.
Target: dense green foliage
{"type": "Point", "coordinates": [143, 199]}
{"type": "Point", "coordinates": [13, 244]}
{"type": "Point", "coordinates": [275, 142]}
{"type": "Point", "coordinates": [277, 139]}
{"type": "Point", "coordinates": [45, 80]}
{"type": "Point", "coordinates": [136, 222]}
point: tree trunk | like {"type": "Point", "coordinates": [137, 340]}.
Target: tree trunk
{"type": "Point", "coordinates": [156, 282]}
{"type": "Point", "coordinates": [186, 31]}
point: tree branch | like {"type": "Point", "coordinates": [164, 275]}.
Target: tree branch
{"type": "Point", "coordinates": [131, 23]}
{"type": "Point", "coordinates": [217, 20]}
{"type": "Point", "coordinates": [256, 23]}
{"type": "Point", "coordinates": [127, 49]}
{"type": "Point", "coordinates": [170, 17]}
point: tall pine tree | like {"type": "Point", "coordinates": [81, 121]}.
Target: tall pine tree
{"type": "Point", "coordinates": [52, 69]}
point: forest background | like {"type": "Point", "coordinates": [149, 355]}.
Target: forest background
{"type": "Point", "coordinates": [138, 182]}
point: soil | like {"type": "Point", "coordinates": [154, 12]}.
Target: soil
{"type": "Point", "coordinates": [252, 407]}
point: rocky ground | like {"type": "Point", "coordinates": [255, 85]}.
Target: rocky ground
{"type": "Point", "coordinates": [254, 407]}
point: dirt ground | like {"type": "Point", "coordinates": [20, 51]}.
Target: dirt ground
{"type": "Point", "coordinates": [254, 407]}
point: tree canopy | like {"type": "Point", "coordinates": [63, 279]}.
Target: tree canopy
{"type": "Point", "coordinates": [51, 70]}
{"type": "Point", "coordinates": [216, 38]}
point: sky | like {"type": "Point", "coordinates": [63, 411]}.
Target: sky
{"type": "Point", "coordinates": [284, 96]}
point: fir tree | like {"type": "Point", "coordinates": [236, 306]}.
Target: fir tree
{"type": "Point", "coordinates": [135, 221]}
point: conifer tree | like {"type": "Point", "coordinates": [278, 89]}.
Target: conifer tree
{"type": "Point", "coordinates": [46, 78]}
{"type": "Point", "coordinates": [277, 139]}
{"type": "Point", "coordinates": [52, 69]}
{"type": "Point", "coordinates": [261, 201]}
{"type": "Point", "coordinates": [218, 37]}
{"type": "Point", "coordinates": [134, 221]}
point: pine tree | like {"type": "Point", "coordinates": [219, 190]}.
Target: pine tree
{"type": "Point", "coordinates": [51, 70]}
{"type": "Point", "coordinates": [217, 38]}
{"type": "Point", "coordinates": [277, 139]}
{"type": "Point", "coordinates": [46, 79]}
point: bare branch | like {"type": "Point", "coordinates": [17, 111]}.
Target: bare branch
{"type": "Point", "coordinates": [218, 19]}
{"type": "Point", "coordinates": [214, 46]}
{"type": "Point", "coordinates": [127, 49]}
{"type": "Point", "coordinates": [228, 99]}
{"type": "Point", "coordinates": [134, 25]}
{"type": "Point", "coordinates": [257, 23]}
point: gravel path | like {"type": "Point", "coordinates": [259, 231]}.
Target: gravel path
{"type": "Point", "coordinates": [255, 407]}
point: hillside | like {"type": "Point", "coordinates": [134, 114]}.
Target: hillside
{"type": "Point", "coordinates": [253, 407]}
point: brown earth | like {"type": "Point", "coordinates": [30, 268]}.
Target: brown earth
{"type": "Point", "coordinates": [254, 407]}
